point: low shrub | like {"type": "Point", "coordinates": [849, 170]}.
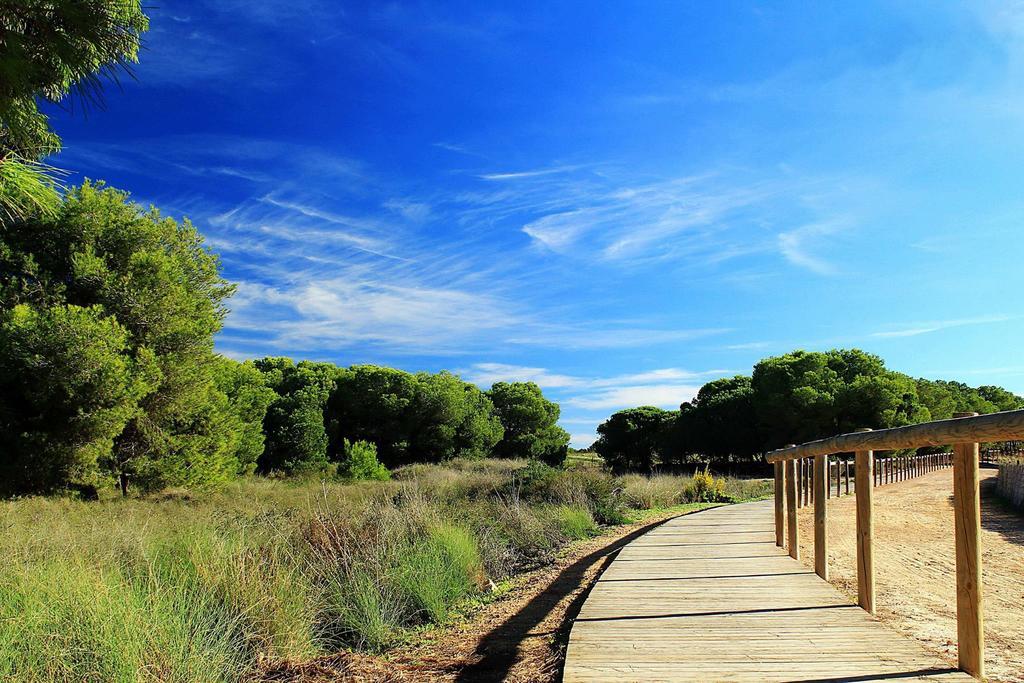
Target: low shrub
{"type": "Point", "coordinates": [705, 488]}
{"type": "Point", "coordinates": [646, 493]}
{"type": "Point", "coordinates": [575, 522]}
{"type": "Point", "coordinates": [359, 463]}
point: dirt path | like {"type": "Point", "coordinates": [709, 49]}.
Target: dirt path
{"type": "Point", "coordinates": [916, 567]}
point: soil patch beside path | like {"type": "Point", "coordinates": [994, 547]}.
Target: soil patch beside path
{"type": "Point", "coordinates": [915, 565]}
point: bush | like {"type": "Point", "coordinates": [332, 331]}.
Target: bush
{"type": "Point", "coordinates": [704, 488]}
{"type": "Point", "coordinates": [576, 522]}
{"type": "Point", "coordinates": [360, 463]}
{"type": "Point", "coordinates": [646, 493]}
{"type": "Point", "coordinates": [440, 570]}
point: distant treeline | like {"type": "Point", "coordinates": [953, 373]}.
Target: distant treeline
{"type": "Point", "coordinates": [796, 397]}
{"type": "Point", "coordinates": [108, 374]}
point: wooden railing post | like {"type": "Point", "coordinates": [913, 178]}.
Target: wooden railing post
{"type": "Point", "coordinates": [967, 513]}
{"type": "Point", "coordinates": [865, 530]}
{"type": "Point", "coordinates": [780, 505]}
{"type": "Point", "coordinates": [792, 535]}
{"type": "Point", "coordinates": [828, 479]}
{"type": "Point", "coordinates": [846, 474]}
{"type": "Point", "coordinates": [821, 516]}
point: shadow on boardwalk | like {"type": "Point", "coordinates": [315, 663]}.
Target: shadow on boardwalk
{"type": "Point", "coordinates": [498, 649]}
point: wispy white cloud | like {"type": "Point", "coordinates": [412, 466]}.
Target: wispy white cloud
{"type": "Point", "coordinates": [915, 329]}
{"type": "Point", "coordinates": [520, 175]}
{"type": "Point", "coordinates": [749, 346]}
{"type": "Point", "coordinates": [796, 245]}
{"type": "Point", "coordinates": [664, 387]}
{"type": "Point", "coordinates": [667, 396]}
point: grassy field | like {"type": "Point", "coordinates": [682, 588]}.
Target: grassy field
{"type": "Point", "coordinates": [222, 586]}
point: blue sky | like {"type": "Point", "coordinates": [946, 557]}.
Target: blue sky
{"type": "Point", "coordinates": [619, 201]}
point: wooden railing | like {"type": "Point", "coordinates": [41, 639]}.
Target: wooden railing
{"type": "Point", "coordinates": [965, 432]}
{"type": "Point", "coordinates": [838, 477]}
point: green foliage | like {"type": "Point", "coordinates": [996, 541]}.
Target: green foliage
{"type": "Point", "coordinates": [451, 419]}
{"type": "Point", "coordinates": [719, 423]}
{"type": "Point", "coordinates": [705, 488]}
{"type": "Point", "coordinates": [808, 395]}
{"type": "Point", "coordinates": [248, 399]}
{"type": "Point", "coordinates": [439, 570]}
{"type": "Point", "coordinates": [50, 48]}
{"type": "Point", "coordinates": [530, 422]}
{"type": "Point", "coordinates": [154, 278]}
{"type": "Point", "coordinates": [577, 522]}
{"type": "Point", "coordinates": [632, 440]}
{"type": "Point", "coordinates": [796, 397]}
{"type": "Point", "coordinates": [411, 418]}
{"type": "Point", "coordinates": [26, 188]}
{"type": "Point", "coordinates": [359, 463]}
{"type": "Point", "coordinates": [296, 437]}
{"type": "Point", "coordinates": [68, 386]}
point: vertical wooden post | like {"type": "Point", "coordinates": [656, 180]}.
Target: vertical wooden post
{"type": "Point", "coordinates": [810, 480]}
{"type": "Point", "coordinates": [967, 513]}
{"type": "Point", "coordinates": [803, 482]}
{"type": "Point", "coordinates": [798, 484]}
{"type": "Point", "coordinates": [865, 530]}
{"type": "Point", "coordinates": [820, 516]}
{"type": "Point", "coordinates": [792, 535]}
{"type": "Point", "coordinates": [846, 474]}
{"type": "Point", "coordinates": [780, 504]}
{"type": "Point", "coordinates": [828, 479]}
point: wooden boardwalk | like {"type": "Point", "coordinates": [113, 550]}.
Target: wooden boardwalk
{"type": "Point", "coordinates": [709, 597]}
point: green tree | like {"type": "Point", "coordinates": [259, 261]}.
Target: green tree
{"type": "Point", "coordinates": [451, 419]}
{"type": "Point", "coordinates": [530, 422]}
{"type": "Point", "coordinates": [411, 418]}
{"type": "Point", "coordinates": [372, 403]}
{"type": "Point", "coordinates": [68, 386]}
{"type": "Point", "coordinates": [803, 395]}
{"type": "Point", "coordinates": [720, 423]}
{"type": "Point", "coordinates": [296, 435]}
{"type": "Point", "coordinates": [156, 279]}
{"type": "Point", "coordinates": [1000, 398]}
{"type": "Point", "coordinates": [633, 440]}
{"type": "Point", "coordinates": [248, 398]}
{"type": "Point", "coordinates": [49, 49]}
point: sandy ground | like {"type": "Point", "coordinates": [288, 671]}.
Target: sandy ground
{"type": "Point", "coordinates": [916, 568]}
{"type": "Point", "coordinates": [519, 638]}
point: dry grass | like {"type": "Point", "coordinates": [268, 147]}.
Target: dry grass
{"type": "Point", "coordinates": [268, 577]}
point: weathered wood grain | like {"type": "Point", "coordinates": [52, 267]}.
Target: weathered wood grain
{"type": "Point", "coordinates": [1005, 426]}
{"type": "Point", "coordinates": [710, 597]}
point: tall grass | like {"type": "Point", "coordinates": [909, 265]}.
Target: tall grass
{"type": "Point", "coordinates": [221, 586]}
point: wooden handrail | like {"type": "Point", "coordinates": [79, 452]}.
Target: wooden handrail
{"type": "Point", "coordinates": [964, 432]}
{"type": "Point", "coordinates": [1005, 426]}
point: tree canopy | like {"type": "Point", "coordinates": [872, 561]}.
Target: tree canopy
{"type": "Point", "coordinates": [792, 398]}
{"type": "Point", "coordinates": [530, 423]}
{"type": "Point", "coordinates": [50, 49]}
{"type": "Point", "coordinates": [634, 439]}
{"type": "Point", "coordinates": [150, 278]}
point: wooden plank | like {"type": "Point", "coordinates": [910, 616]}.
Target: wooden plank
{"type": "Point", "coordinates": [687, 602]}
